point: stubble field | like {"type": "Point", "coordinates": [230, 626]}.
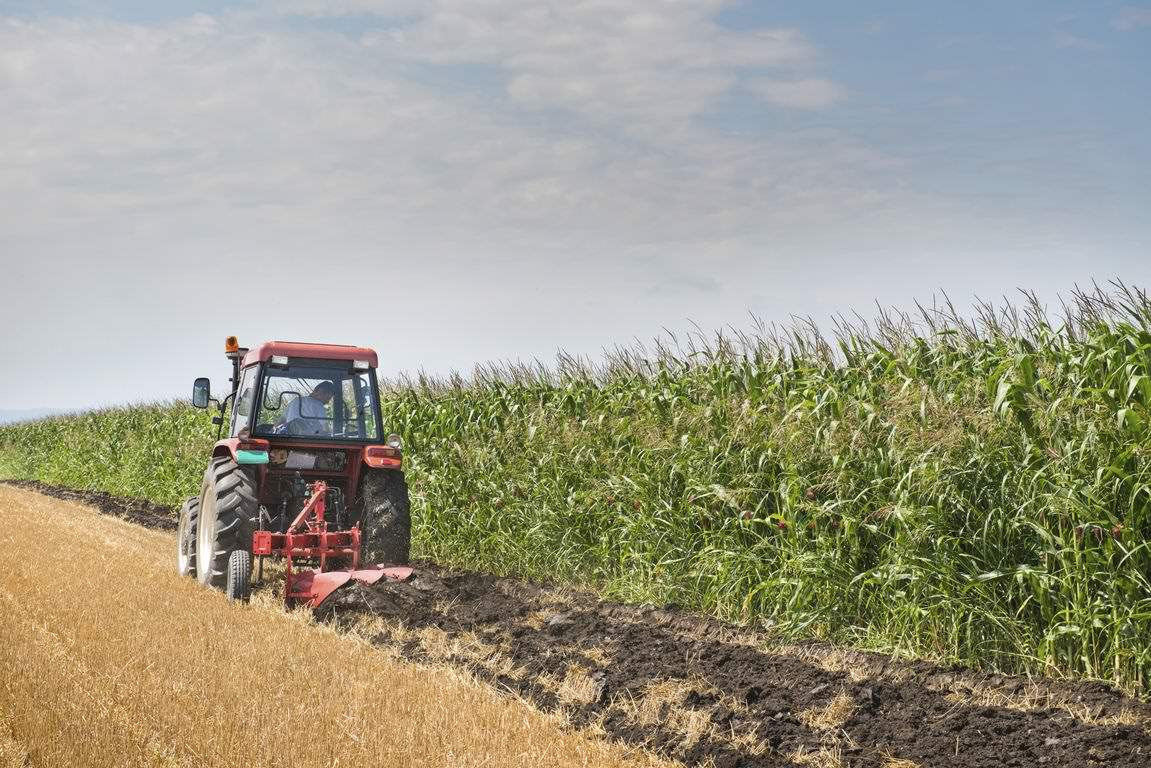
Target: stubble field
{"type": "Point", "coordinates": [110, 659]}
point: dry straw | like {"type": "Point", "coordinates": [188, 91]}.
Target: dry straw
{"type": "Point", "coordinates": [110, 659]}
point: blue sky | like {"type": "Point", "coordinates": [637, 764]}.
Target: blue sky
{"type": "Point", "coordinates": [501, 178]}
{"type": "Point", "coordinates": [1043, 105]}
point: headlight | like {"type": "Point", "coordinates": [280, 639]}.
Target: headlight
{"type": "Point", "coordinates": [394, 441]}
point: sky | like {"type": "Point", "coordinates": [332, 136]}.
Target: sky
{"type": "Point", "coordinates": [453, 182]}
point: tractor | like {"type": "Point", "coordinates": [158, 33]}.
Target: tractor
{"type": "Point", "coordinates": [305, 476]}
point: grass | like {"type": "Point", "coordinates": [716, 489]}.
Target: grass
{"type": "Point", "coordinates": [965, 487]}
{"type": "Point", "coordinates": [110, 659]}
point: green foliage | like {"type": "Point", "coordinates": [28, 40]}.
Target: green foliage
{"type": "Point", "coordinates": [156, 452]}
{"type": "Point", "coordinates": [975, 491]}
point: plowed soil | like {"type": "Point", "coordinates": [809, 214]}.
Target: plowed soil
{"type": "Point", "coordinates": [698, 690]}
{"type": "Point", "coordinates": [137, 511]}
{"type": "Point", "coordinates": [708, 693]}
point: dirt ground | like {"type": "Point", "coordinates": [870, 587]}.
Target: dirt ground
{"type": "Point", "coordinates": [137, 511]}
{"type": "Point", "coordinates": [697, 690]}
{"type": "Point", "coordinates": [707, 693]}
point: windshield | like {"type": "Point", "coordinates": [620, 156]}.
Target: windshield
{"type": "Point", "coordinates": [321, 400]}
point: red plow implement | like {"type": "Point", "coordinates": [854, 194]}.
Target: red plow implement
{"type": "Point", "coordinates": [331, 558]}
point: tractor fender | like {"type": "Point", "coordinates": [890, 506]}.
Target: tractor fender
{"type": "Point", "coordinates": [382, 457]}
{"type": "Point", "coordinates": [242, 450]}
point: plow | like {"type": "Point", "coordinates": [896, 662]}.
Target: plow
{"type": "Point", "coordinates": [334, 553]}
{"type": "Point", "coordinates": [304, 476]}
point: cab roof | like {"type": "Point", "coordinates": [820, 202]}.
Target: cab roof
{"type": "Point", "coordinates": [264, 352]}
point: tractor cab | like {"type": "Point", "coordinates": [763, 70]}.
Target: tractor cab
{"type": "Point", "coordinates": [297, 390]}
{"type": "Point", "coordinates": [304, 456]}
{"type": "Point", "coordinates": [318, 397]}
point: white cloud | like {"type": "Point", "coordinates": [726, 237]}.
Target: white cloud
{"type": "Point", "coordinates": [651, 65]}
{"type": "Point", "coordinates": [609, 62]}
{"type": "Point", "coordinates": [197, 120]}
{"type": "Point", "coordinates": [805, 93]}
{"type": "Point", "coordinates": [1131, 17]}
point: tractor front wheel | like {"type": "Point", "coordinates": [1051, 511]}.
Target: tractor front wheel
{"type": "Point", "coordinates": [228, 514]}
{"type": "Point", "coordinates": [387, 520]}
{"type": "Point", "coordinates": [239, 575]}
{"type": "Point", "coordinates": [186, 537]}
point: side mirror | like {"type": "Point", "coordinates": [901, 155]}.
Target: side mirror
{"type": "Point", "coordinates": [201, 392]}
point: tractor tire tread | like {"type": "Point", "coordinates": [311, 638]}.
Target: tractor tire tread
{"type": "Point", "coordinates": [238, 584]}
{"type": "Point", "coordinates": [186, 542]}
{"type": "Point", "coordinates": [387, 521]}
{"type": "Point", "coordinates": [237, 511]}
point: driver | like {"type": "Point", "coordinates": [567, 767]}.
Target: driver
{"type": "Point", "coordinates": [307, 415]}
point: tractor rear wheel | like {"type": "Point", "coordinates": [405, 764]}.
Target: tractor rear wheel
{"type": "Point", "coordinates": [186, 537]}
{"type": "Point", "coordinates": [239, 575]}
{"type": "Point", "coordinates": [387, 519]}
{"type": "Point", "coordinates": [229, 512]}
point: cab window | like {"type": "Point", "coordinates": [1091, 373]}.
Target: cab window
{"type": "Point", "coordinates": [242, 407]}
{"type": "Point", "coordinates": [318, 400]}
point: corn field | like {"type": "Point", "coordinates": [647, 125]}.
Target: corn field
{"type": "Point", "coordinates": [969, 487]}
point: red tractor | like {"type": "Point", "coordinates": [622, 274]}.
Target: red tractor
{"type": "Point", "coordinates": [305, 475]}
